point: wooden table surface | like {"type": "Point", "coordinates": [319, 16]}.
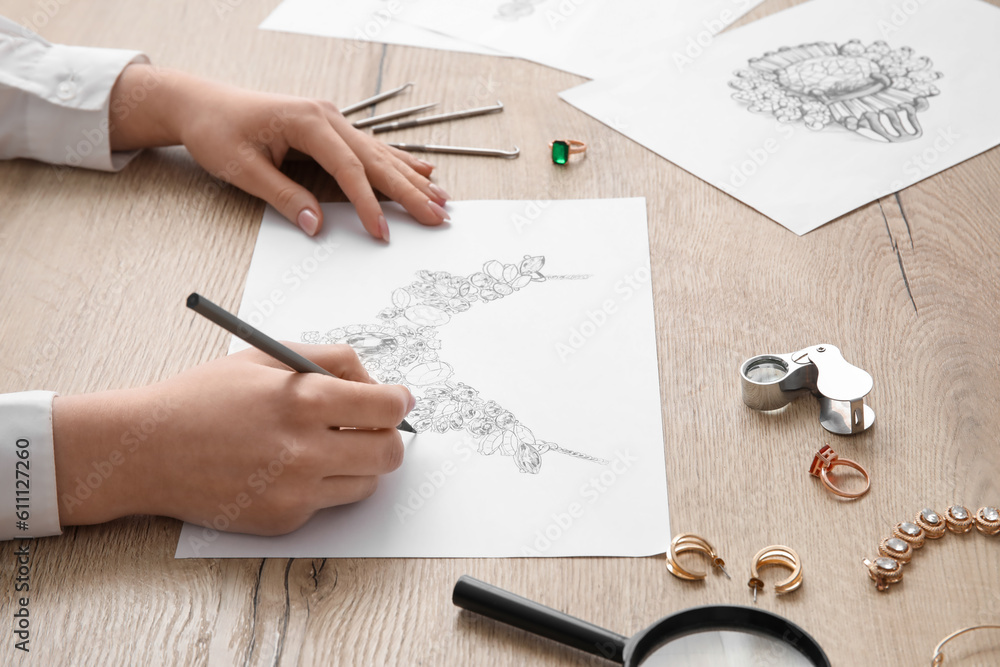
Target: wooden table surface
{"type": "Point", "coordinates": [95, 268]}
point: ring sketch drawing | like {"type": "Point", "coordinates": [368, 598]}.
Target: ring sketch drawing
{"type": "Point", "coordinates": [403, 348]}
{"type": "Point", "coordinates": [875, 90]}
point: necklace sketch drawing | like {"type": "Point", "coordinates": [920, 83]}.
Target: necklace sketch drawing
{"type": "Point", "coordinates": [875, 90]}
{"type": "Point", "coordinates": [403, 348]}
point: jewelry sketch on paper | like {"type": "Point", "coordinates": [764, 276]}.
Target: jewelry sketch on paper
{"type": "Point", "coordinates": [875, 90]}
{"type": "Point", "coordinates": [403, 348]}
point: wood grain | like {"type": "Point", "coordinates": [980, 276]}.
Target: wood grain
{"type": "Point", "coordinates": [95, 268]}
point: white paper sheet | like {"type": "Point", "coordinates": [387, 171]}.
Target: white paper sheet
{"type": "Point", "coordinates": [364, 21]}
{"type": "Point", "coordinates": [584, 37]}
{"type": "Point", "coordinates": [572, 357]}
{"type": "Point", "coordinates": [685, 109]}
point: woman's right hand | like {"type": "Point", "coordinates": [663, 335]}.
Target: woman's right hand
{"type": "Point", "coordinates": [240, 444]}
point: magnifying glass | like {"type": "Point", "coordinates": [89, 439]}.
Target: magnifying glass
{"type": "Point", "coordinates": [715, 636]}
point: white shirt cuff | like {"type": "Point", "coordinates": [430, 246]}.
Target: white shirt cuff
{"type": "Point", "coordinates": [73, 125]}
{"type": "Point", "coordinates": [54, 100]}
{"type": "Point", "coordinates": [29, 505]}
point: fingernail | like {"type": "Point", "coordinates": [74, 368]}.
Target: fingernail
{"type": "Point", "coordinates": [438, 211]}
{"type": "Point", "coordinates": [383, 228]}
{"type": "Point", "coordinates": [441, 194]}
{"type": "Point", "coordinates": [412, 402]}
{"type": "Point", "coordinates": [308, 221]}
{"type": "Point", "coordinates": [426, 164]}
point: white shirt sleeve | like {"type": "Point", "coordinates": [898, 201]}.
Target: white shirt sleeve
{"type": "Point", "coordinates": [54, 100]}
{"type": "Point", "coordinates": [29, 506]}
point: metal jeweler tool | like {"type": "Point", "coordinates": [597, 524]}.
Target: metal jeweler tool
{"type": "Point", "coordinates": [771, 381]}
{"type": "Point", "coordinates": [374, 99]}
{"type": "Point", "coordinates": [366, 122]}
{"type": "Point", "coordinates": [458, 150]}
{"type": "Point", "coordinates": [440, 118]}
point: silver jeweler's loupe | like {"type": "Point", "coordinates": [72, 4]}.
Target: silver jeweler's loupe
{"type": "Point", "coordinates": [771, 381]}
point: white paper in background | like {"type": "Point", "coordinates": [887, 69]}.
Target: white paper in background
{"type": "Point", "coordinates": [364, 20]}
{"type": "Point", "coordinates": [569, 360]}
{"type": "Point", "coordinates": [585, 37]}
{"type": "Point", "coordinates": [800, 177]}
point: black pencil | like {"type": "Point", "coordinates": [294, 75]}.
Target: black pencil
{"type": "Point", "coordinates": [261, 341]}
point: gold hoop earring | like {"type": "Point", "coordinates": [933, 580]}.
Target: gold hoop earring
{"type": "Point", "coordinates": [783, 556]}
{"type": "Point", "coordinates": [684, 543]}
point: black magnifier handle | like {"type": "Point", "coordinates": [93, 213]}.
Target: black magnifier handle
{"type": "Point", "coordinates": [504, 606]}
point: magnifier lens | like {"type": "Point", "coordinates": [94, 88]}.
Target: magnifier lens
{"type": "Point", "coordinates": [725, 648]}
{"type": "Point", "coordinates": [766, 370]}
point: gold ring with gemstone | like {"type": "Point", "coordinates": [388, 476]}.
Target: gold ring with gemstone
{"type": "Point", "coordinates": [563, 148]}
{"type": "Point", "coordinates": [825, 461]}
{"type": "Point", "coordinates": [931, 522]}
{"type": "Point", "coordinates": [988, 520]}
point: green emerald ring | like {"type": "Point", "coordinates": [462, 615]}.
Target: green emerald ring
{"type": "Point", "coordinates": [562, 149]}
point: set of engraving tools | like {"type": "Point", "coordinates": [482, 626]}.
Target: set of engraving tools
{"type": "Point", "coordinates": [389, 121]}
